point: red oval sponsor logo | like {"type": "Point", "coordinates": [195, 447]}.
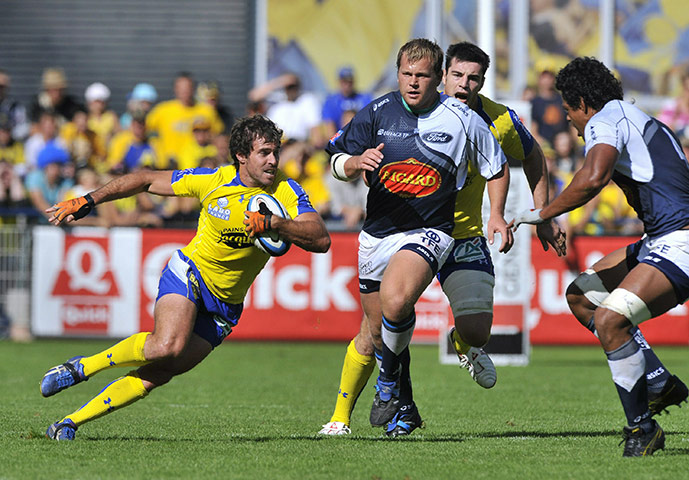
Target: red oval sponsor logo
{"type": "Point", "coordinates": [410, 178]}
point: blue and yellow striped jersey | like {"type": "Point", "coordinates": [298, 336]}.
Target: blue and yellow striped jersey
{"type": "Point", "coordinates": [222, 251]}
{"type": "Point", "coordinates": [514, 139]}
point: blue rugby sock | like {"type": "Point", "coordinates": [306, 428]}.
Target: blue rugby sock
{"type": "Point", "coordinates": [656, 373]}
{"type": "Point", "coordinates": [627, 365]}
{"type": "Point", "coordinates": [396, 338]}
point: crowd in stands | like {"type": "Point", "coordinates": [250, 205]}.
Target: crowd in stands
{"type": "Point", "coordinates": [61, 146]}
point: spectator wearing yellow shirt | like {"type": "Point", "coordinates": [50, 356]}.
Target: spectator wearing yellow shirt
{"type": "Point", "coordinates": [171, 121]}
{"type": "Point", "coordinates": [201, 148]}
{"type": "Point", "coordinates": [101, 120]}
{"type": "Point", "coordinates": [11, 151]}
{"type": "Point", "coordinates": [130, 148]}
{"type": "Point", "coordinates": [83, 144]}
{"type": "Point", "coordinates": [299, 162]}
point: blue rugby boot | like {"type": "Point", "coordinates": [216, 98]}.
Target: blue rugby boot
{"type": "Point", "coordinates": [405, 421]}
{"type": "Point", "coordinates": [383, 410]}
{"type": "Point", "coordinates": [63, 376]}
{"type": "Point", "coordinates": [64, 430]}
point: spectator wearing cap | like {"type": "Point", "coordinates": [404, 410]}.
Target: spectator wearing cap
{"type": "Point", "coordinates": [130, 149]}
{"type": "Point", "coordinates": [171, 121]}
{"type": "Point", "coordinates": [140, 100]}
{"type": "Point", "coordinates": [46, 131]}
{"type": "Point", "coordinates": [211, 93]}
{"type": "Point", "coordinates": [12, 110]}
{"type": "Point", "coordinates": [101, 120]}
{"type": "Point", "coordinates": [346, 98]}
{"type": "Point", "coordinates": [53, 98]}
{"type": "Point", "coordinates": [45, 185]}
{"type": "Point", "coordinates": [548, 116]}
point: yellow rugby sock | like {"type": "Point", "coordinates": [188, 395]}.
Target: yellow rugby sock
{"type": "Point", "coordinates": [356, 370]}
{"type": "Point", "coordinates": [127, 353]}
{"type": "Point", "coordinates": [460, 345]}
{"type": "Point", "coordinates": [120, 393]}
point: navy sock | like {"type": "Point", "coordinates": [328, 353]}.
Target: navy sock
{"type": "Point", "coordinates": [656, 373]}
{"type": "Point", "coordinates": [627, 367]}
{"type": "Point", "coordinates": [396, 338]}
{"type": "Point", "coordinates": [406, 396]}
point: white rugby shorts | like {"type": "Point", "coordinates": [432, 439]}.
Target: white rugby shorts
{"type": "Point", "coordinates": [669, 253]}
{"type": "Point", "coordinates": [432, 245]}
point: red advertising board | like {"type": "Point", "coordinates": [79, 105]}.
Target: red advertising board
{"type": "Point", "coordinates": [550, 320]}
{"type": "Point", "coordinates": [104, 283]}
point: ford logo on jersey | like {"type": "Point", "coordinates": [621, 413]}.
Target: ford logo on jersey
{"type": "Point", "coordinates": [437, 137]}
{"type": "Point", "coordinates": [410, 178]}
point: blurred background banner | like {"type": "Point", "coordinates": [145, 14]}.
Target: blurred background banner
{"type": "Point", "coordinates": [102, 283]}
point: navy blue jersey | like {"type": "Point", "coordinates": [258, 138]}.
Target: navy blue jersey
{"type": "Point", "coordinates": [425, 161]}
{"type": "Point", "coordinates": [651, 169]}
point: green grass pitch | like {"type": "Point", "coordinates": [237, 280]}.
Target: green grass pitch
{"type": "Point", "coordinates": [253, 410]}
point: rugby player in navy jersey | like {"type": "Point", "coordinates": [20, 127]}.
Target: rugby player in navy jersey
{"type": "Point", "coordinates": [414, 147]}
{"type": "Point", "coordinates": [647, 278]}
{"type": "Point", "coordinates": [467, 277]}
{"type": "Point", "coordinates": [202, 288]}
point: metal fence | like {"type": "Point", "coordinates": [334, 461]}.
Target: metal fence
{"type": "Point", "coordinates": [15, 279]}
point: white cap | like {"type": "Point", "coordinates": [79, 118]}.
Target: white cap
{"type": "Point", "coordinates": [97, 91]}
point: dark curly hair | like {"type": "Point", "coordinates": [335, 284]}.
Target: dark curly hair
{"type": "Point", "coordinates": [467, 52]}
{"type": "Point", "coordinates": [248, 129]}
{"type": "Point", "coordinates": [587, 79]}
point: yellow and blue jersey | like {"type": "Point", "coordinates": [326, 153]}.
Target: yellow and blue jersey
{"type": "Point", "coordinates": [221, 250]}
{"type": "Point", "coordinates": [515, 141]}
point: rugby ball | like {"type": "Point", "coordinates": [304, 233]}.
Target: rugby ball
{"type": "Point", "coordinates": [269, 242]}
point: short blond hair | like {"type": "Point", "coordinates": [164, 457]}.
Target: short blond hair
{"type": "Point", "coordinates": [420, 48]}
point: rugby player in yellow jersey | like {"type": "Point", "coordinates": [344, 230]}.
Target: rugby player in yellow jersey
{"type": "Point", "coordinates": [202, 288]}
{"type": "Point", "coordinates": [467, 277]}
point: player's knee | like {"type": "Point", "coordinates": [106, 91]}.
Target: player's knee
{"type": "Point", "coordinates": [161, 347]}
{"type": "Point", "coordinates": [623, 303]}
{"type": "Point", "coordinates": [588, 289]}
{"type": "Point", "coordinates": [396, 308]}
{"type": "Point", "coordinates": [364, 344]}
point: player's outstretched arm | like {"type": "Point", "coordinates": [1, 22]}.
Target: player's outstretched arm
{"type": "Point", "coordinates": [497, 194]}
{"type": "Point", "coordinates": [588, 181]}
{"type": "Point", "coordinates": [157, 182]}
{"type": "Point", "coordinates": [536, 171]}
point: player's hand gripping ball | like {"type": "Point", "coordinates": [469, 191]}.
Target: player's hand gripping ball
{"type": "Point", "coordinates": [269, 241]}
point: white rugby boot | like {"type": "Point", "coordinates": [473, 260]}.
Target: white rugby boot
{"type": "Point", "coordinates": [335, 428]}
{"type": "Point", "coordinates": [478, 363]}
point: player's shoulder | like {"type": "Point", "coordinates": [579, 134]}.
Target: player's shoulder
{"type": "Point", "coordinates": [491, 107]}
{"type": "Point", "coordinates": [451, 108]}
{"type": "Point", "coordinates": [385, 103]}
{"type": "Point", "coordinates": [285, 188]}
